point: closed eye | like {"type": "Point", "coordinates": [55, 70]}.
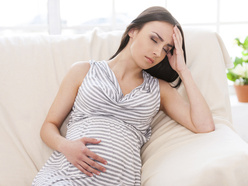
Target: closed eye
{"type": "Point", "coordinates": [154, 40]}
{"type": "Point", "coordinates": [170, 50]}
{"type": "Point", "coordinates": [166, 50]}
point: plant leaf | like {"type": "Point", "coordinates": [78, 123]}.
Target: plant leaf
{"type": "Point", "coordinates": [231, 76]}
{"type": "Point", "coordinates": [245, 53]}
{"type": "Point", "coordinates": [238, 42]}
{"type": "Point", "coordinates": [237, 61]}
{"type": "Point", "coordinates": [246, 81]}
{"type": "Point", "coordinates": [245, 44]}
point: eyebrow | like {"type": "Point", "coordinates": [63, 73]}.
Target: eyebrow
{"type": "Point", "coordinates": [161, 39]}
{"type": "Point", "coordinates": [158, 36]}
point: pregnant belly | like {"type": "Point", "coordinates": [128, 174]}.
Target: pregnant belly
{"type": "Point", "coordinates": [120, 144]}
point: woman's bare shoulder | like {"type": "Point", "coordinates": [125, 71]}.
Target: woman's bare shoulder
{"type": "Point", "coordinates": [80, 66]}
{"type": "Point", "coordinates": [78, 71]}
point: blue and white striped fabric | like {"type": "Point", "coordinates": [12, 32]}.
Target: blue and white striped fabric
{"type": "Point", "coordinates": [121, 122]}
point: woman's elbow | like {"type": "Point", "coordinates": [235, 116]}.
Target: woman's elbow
{"type": "Point", "coordinates": [206, 127]}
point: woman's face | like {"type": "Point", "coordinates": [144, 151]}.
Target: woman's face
{"type": "Point", "coordinates": [151, 44]}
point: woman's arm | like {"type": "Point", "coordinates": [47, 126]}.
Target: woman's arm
{"type": "Point", "coordinates": [196, 115]}
{"type": "Point", "coordinates": [75, 151]}
{"type": "Point", "coordinates": [200, 113]}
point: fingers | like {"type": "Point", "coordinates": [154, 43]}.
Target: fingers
{"type": "Point", "coordinates": [169, 55]}
{"type": "Point", "coordinates": [94, 164]}
{"type": "Point", "coordinates": [90, 153]}
{"type": "Point", "coordinates": [89, 164]}
{"type": "Point", "coordinates": [86, 168]}
{"type": "Point", "coordinates": [83, 169]}
{"type": "Point", "coordinates": [83, 158]}
{"type": "Point", "coordinates": [178, 34]}
{"type": "Point", "coordinates": [177, 37]}
{"type": "Point", "coordinates": [176, 42]}
{"type": "Point", "coordinates": [90, 140]}
{"type": "Point", "coordinates": [95, 156]}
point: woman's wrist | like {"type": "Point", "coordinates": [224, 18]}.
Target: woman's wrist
{"type": "Point", "coordinates": [184, 73]}
{"type": "Point", "coordinates": [62, 145]}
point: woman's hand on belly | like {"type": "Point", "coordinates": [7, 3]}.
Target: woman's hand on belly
{"type": "Point", "coordinates": [80, 156]}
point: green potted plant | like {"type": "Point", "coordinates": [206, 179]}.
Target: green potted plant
{"type": "Point", "coordinates": [239, 73]}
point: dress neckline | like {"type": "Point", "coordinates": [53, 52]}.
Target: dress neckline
{"type": "Point", "coordinates": [117, 83]}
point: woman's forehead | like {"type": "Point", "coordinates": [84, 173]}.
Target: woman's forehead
{"type": "Point", "coordinates": [160, 25]}
{"type": "Point", "coordinates": [163, 30]}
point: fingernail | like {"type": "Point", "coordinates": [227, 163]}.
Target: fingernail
{"type": "Point", "coordinates": [98, 173]}
{"type": "Point", "coordinates": [105, 163]}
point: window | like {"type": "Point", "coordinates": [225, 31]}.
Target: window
{"type": "Point", "coordinates": [25, 16]}
{"type": "Point", "coordinates": [233, 23]}
{"type": "Point", "coordinates": [227, 17]}
{"type": "Point", "coordinates": [78, 16]}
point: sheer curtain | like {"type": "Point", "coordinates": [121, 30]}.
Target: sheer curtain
{"type": "Point", "coordinates": [226, 17]}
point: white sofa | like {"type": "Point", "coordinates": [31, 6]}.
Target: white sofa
{"type": "Point", "coordinates": [32, 68]}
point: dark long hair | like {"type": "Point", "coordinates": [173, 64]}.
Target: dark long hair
{"type": "Point", "coordinates": [163, 69]}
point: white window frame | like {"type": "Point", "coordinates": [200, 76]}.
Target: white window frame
{"type": "Point", "coordinates": [54, 20]}
{"type": "Point", "coordinates": [54, 26]}
{"type": "Point", "coordinates": [53, 15]}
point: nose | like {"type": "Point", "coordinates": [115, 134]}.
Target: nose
{"type": "Point", "coordinates": [157, 51]}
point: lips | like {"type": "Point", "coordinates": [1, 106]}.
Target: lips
{"type": "Point", "coordinates": [150, 60]}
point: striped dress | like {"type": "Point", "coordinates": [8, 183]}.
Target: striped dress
{"type": "Point", "coordinates": [121, 122]}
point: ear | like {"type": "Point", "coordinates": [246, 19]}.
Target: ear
{"type": "Point", "coordinates": [132, 33]}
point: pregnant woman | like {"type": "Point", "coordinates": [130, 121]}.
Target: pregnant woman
{"type": "Point", "coordinates": [113, 102]}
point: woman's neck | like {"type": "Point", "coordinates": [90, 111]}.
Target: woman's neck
{"type": "Point", "coordinates": [124, 66]}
